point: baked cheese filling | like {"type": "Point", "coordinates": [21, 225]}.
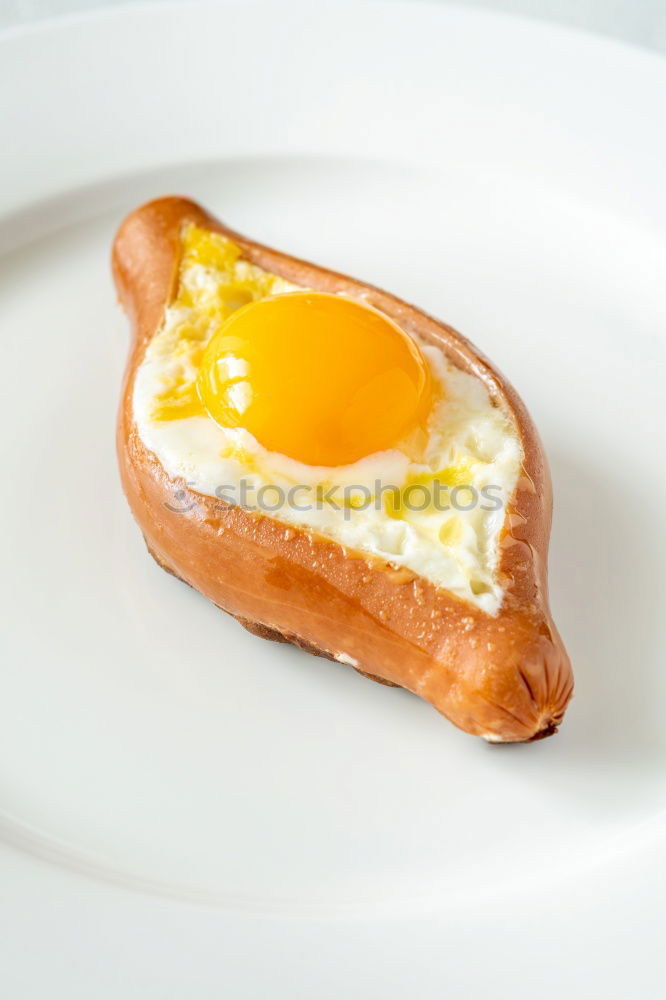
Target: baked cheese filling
{"type": "Point", "coordinates": [433, 503]}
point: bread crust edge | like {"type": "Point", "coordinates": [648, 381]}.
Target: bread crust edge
{"type": "Point", "coordinates": [505, 677]}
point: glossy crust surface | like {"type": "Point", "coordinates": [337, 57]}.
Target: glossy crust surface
{"type": "Point", "coordinates": [505, 677]}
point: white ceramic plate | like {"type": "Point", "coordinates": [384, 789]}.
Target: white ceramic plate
{"type": "Point", "coordinates": [185, 810]}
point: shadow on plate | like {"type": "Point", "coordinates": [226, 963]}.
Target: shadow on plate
{"type": "Point", "coordinates": [605, 578]}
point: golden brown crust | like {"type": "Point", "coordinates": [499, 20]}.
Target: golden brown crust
{"type": "Point", "coordinates": [505, 677]}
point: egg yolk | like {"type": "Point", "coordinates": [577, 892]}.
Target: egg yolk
{"type": "Point", "coordinates": [319, 378]}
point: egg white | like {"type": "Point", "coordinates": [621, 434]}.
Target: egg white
{"type": "Point", "coordinates": [466, 431]}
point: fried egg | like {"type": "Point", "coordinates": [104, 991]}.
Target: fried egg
{"type": "Point", "coordinates": [323, 413]}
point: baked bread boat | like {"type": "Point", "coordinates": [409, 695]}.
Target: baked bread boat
{"type": "Point", "coordinates": [450, 603]}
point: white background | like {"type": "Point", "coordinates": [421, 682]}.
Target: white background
{"type": "Point", "coordinates": [641, 22]}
